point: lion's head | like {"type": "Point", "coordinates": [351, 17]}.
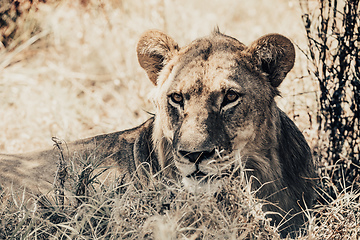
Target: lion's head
{"type": "Point", "coordinates": [215, 100]}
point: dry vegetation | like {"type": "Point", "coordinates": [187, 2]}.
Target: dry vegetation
{"type": "Point", "coordinates": [69, 69]}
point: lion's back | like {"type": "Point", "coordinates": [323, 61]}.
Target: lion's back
{"type": "Point", "coordinates": [118, 152]}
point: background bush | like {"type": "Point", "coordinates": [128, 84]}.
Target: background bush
{"type": "Point", "coordinates": [333, 32]}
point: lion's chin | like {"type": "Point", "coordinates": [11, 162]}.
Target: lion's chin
{"type": "Point", "coordinates": [206, 186]}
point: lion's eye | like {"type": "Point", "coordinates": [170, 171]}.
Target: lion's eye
{"type": "Point", "coordinates": [231, 96]}
{"type": "Point", "coordinates": [176, 98]}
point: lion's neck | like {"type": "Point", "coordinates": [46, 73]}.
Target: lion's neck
{"type": "Point", "coordinates": [262, 153]}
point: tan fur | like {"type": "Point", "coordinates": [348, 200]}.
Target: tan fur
{"type": "Point", "coordinates": [215, 112]}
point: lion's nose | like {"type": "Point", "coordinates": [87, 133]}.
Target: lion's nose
{"type": "Point", "coordinates": [197, 157]}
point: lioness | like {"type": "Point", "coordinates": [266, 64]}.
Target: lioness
{"type": "Point", "coordinates": [215, 114]}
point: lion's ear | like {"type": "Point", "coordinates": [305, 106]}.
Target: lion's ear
{"type": "Point", "coordinates": [274, 54]}
{"type": "Point", "coordinates": [154, 50]}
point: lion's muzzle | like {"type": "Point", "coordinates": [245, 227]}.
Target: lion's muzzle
{"type": "Point", "coordinates": [196, 165]}
{"type": "Point", "coordinates": [196, 159]}
{"type": "Point", "coordinates": [199, 170]}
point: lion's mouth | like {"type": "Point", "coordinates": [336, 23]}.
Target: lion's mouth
{"type": "Point", "coordinates": [201, 176]}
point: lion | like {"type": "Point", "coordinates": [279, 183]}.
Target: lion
{"type": "Point", "coordinates": [215, 115]}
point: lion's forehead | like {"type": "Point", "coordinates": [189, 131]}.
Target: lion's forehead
{"type": "Point", "coordinates": [205, 75]}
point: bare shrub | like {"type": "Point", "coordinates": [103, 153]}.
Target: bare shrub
{"type": "Point", "coordinates": [333, 33]}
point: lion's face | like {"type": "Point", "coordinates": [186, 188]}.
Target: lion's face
{"type": "Point", "coordinates": [212, 98]}
{"type": "Point", "coordinates": [210, 104]}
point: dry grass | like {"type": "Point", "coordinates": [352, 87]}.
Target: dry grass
{"type": "Point", "coordinates": [134, 211]}
{"type": "Point", "coordinates": [71, 71]}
